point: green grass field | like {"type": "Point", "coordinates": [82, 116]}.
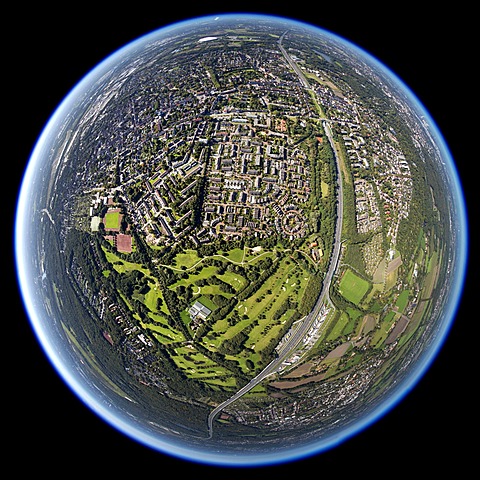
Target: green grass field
{"type": "Point", "coordinates": [381, 334]}
{"type": "Point", "coordinates": [163, 332]}
{"type": "Point", "coordinates": [402, 300]}
{"type": "Point", "coordinates": [152, 296]}
{"type": "Point", "coordinates": [352, 287]}
{"type": "Point", "coordinates": [112, 220]}
{"type": "Point", "coordinates": [236, 255]}
{"type": "Point", "coordinates": [325, 189]}
{"type": "Point", "coordinates": [187, 259]}
{"type": "Point", "coordinates": [122, 266]}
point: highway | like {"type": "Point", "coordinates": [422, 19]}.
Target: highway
{"type": "Point", "coordinates": [297, 336]}
{"type": "Point", "coordinates": [292, 63]}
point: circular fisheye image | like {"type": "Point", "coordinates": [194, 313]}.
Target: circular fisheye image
{"type": "Point", "coordinates": [241, 240]}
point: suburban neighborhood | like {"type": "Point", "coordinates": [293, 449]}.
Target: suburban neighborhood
{"type": "Point", "coordinates": [250, 217]}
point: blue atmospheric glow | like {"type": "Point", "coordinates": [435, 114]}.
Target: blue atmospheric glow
{"type": "Point", "coordinates": [30, 285]}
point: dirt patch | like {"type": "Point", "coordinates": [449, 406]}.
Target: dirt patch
{"type": "Point", "coordinates": [368, 324]}
{"type": "Point", "coordinates": [300, 371]}
{"type": "Point", "coordinates": [338, 351]}
{"type": "Point", "coordinates": [398, 329]}
{"type": "Point", "coordinates": [124, 243]}
{"type": "Point", "coordinates": [286, 384]}
{"type": "Point", "coordinates": [393, 265]}
{"type": "Point", "coordinates": [379, 275]}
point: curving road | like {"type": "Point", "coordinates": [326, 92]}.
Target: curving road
{"type": "Point", "coordinates": [297, 337]}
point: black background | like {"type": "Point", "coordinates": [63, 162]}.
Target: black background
{"type": "Point", "coordinates": [50, 50]}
